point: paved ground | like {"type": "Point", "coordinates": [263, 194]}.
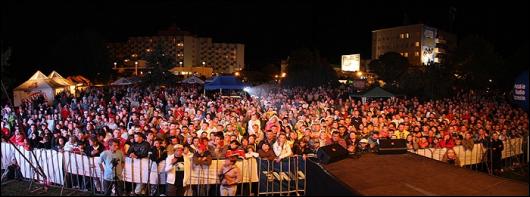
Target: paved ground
{"type": "Point", "coordinates": [21, 188]}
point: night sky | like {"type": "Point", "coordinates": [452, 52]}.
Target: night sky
{"type": "Point", "coordinates": [44, 35]}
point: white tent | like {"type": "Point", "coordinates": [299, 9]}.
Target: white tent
{"type": "Point", "coordinates": [38, 84]}
{"type": "Point", "coordinates": [122, 82]}
{"type": "Point", "coordinates": [192, 80]}
{"type": "Point", "coordinates": [57, 78]}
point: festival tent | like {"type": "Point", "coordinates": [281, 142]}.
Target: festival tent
{"type": "Point", "coordinates": [376, 92]}
{"type": "Point", "coordinates": [225, 83]}
{"type": "Point", "coordinates": [38, 84]}
{"type": "Point", "coordinates": [122, 82]}
{"type": "Point", "coordinates": [79, 80]}
{"type": "Point", "coordinates": [57, 78]}
{"type": "Point", "coordinates": [193, 80]}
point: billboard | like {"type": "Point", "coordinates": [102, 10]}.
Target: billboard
{"type": "Point", "coordinates": [351, 62]}
{"type": "Point", "coordinates": [520, 90]}
{"type": "Point", "coordinates": [428, 45]}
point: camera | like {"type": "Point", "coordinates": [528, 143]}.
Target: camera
{"type": "Point", "coordinates": [114, 162]}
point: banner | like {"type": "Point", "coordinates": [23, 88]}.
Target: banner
{"type": "Point", "coordinates": [282, 177]}
{"type": "Point", "coordinates": [512, 147]}
{"type": "Point", "coordinates": [520, 90]}
{"type": "Point", "coordinates": [136, 171]}
{"type": "Point", "coordinates": [208, 174]}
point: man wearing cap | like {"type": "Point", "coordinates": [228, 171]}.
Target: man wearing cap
{"type": "Point", "coordinates": [363, 146]}
{"type": "Point", "coordinates": [175, 172]}
{"type": "Point", "coordinates": [229, 177]}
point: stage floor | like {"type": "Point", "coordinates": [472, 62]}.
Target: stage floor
{"type": "Point", "coordinates": [409, 174]}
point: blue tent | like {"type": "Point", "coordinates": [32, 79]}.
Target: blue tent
{"type": "Point", "coordinates": [225, 83]}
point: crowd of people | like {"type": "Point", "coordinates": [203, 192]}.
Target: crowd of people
{"type": "Point", "coordinates": [165, 123]}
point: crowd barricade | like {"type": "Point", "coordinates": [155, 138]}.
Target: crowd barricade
{"type": "Point", "coordinates": [80, 172]}
{"type": "Point", "coordinates": [513, 153]}
{"type": "Point", "coordinates": [286, 177]}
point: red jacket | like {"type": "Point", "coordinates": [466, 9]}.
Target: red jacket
{"type": "Point", "coordinates": [447, 143]}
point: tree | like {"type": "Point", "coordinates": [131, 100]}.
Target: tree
{"type": "Point", "coordinates": [160, 63]}
{"type": "Point", "coordinates": [307, 68]}
{"type": "Point", "coordinates": [7, 78]}
{"type": "Point", "coordinates": [389, 67]}
{"type": "Point", "coordinates": [477, 62]}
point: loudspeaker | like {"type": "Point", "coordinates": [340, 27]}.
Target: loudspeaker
{"type": "Point", "coordinates": [331, 153]}
{"type": "Point", "coordinates": [392, 146]}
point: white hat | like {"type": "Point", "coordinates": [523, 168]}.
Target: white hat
{"type": "Point", "coordinates": [364, 141]}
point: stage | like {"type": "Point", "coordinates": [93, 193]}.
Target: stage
{"type": "Point", "coordinates": [405, 174]}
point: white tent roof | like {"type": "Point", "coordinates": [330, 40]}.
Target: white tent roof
{"type": "Point", "coordinates": [57, 78]}
{"type": "Point", "coordinates": [38, 76]}
{"type": "Point", "coordinates": [192, 80]}
{"type": "Point", "coordinates": [38, 81]}
{"type": "Point", "coordinates": [122, 81]}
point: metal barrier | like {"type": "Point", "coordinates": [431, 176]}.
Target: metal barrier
{"type": "Point", "coordinates": [286, 177]}
{"type": "Point", "coordinates": [481, 158]}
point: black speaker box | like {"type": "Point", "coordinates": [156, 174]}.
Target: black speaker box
{"type": "Point", "coordinates": [392, 146]}
{"type": "Point", "coordinates": [331, 153]}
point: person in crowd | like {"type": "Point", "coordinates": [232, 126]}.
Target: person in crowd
{"type": "Point", "coordinates": [139, 150]}
{"type": "Point", "coordinates": [175, 172]}
{"type": "Point", "coordinates": [265, 152]}
{"type": "Point", "coordinates": [337, 139]}
{"type": "Point", "coordinates": [202, 159]}
{"type": "Point", "coordinates": [95, 147]}
{"type": "Point", "coordinates": [468, 141]}
{"type": "Point", "coordinates": [450, 157]}
{"type": "Point", "coordinates": [229, 176]}
{"type": "Point", "coordinates": [281, 148]}
{"type": "Point", "coordinates": [111, 165]}
{"type": "Point", "coordinates": [496, 147]}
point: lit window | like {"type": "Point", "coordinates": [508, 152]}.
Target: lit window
{"type": "Point", "coordinates": [406, 54]}
{"type": "Point", "coordinates": [416, 53]}
{"type": "Point", "coordinates": [402, 36]}
{"type": "Point", "coordinates": [401, 54]}
{"type": "Point", "coordinates": [408, 35]}
{"type": "Point", "coordinates": [417, 44]}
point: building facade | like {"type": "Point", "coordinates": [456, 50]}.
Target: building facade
{"type": "Point", "coordinates": [420, 44]}
{"type": "Point", "coordinates": [188, 51]}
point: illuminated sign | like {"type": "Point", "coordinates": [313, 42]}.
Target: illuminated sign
{"type": "Point", "coordinates": [428, 45]}
{"type": "Point", "coordinates": [351, 62]}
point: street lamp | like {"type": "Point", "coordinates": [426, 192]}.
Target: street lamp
{"type": "Point", "coordinates": [359, 73]}
{"type": "Point", "coordinates": [115, 64]}
{"type": "Point", "coordinates": [180, 64]}
{"type": "Point", "coordinates": [284, 74]}
{"type": "Point", "coordinates": [237, 74]}
{"type": "Point", "coordinates": [203, 63]}
{"type": "Point", "coordinates": [136, 68]}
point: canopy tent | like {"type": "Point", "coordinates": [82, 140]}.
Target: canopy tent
{"type": "Point", "coordinates": [225, 83]}
{"type": "Point", "coordinates": [79, 80]}
{"type": "Point", "coordinates": [192, 80]}
{"type": "Point", "coordinates": [57, 78]}
{"type": "Point", "coordinates": [123, 81]}
{"type": "Point", "coordinates": [38, 84]}
{"type": "Point", "coordinates": [376, 92]}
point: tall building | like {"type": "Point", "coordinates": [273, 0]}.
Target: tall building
{"type": "Point", "coordinates": [419, 43]}
{"type": "Point", "coordinates": [188, 51]}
